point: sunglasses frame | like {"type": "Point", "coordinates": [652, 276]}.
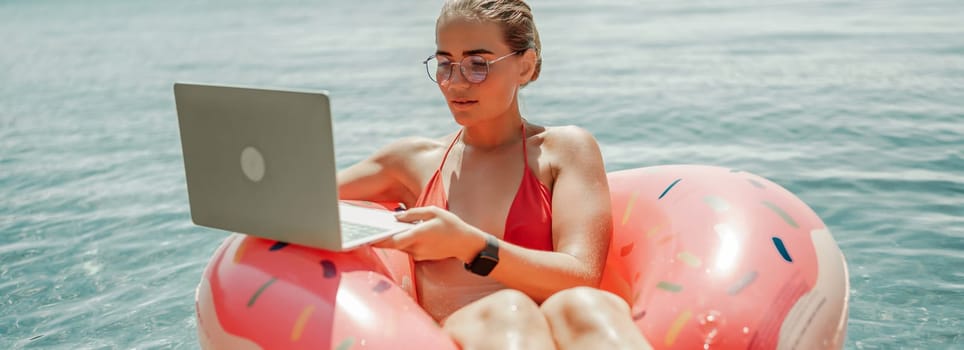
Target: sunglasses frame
{"type": "Point", "coordinates": [438, 68]}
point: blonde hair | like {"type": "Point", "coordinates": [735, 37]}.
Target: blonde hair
{"type": "Point", "coordinates": [514, 16]}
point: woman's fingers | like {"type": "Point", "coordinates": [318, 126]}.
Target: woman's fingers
{"type": "Point", "coordinates": [426, 240]}
{"type": "Point", "coordinates": [417, 214]}
{"type": "Point", "coordinates": [415, 243]}
{"type": "Point", "coordinates": [405, 239]}
{"type": "Point", "coordinates": [387, 242]}
{"type": "Point", "coordinates": [397, 241]}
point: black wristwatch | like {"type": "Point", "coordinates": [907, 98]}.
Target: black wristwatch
{"type": "Point", "coordinates": [483, 263]}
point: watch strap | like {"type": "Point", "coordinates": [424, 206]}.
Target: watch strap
{"type": "Point", "coordinates": [487, 259]}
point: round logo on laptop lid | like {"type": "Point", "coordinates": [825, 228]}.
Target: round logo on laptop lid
{"type": "Point", "coordinates": [252, 164]}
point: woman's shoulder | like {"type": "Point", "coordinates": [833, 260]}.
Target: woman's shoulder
{"type": "Point", "coordinates": [409, 149]}
{"type": "Point", "coordinates": [568, 146]}
{"type": "Point", "coordinates": [414, 144]}
{"type": "Point", "coordinates": [566, 138]}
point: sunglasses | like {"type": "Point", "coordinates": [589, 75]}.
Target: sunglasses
{"type": "Point", "coordinates": [474, 68]}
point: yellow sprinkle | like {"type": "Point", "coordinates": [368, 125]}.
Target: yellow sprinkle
{"type": "Point", "coordinates": [653, 231]}
{"type": "Point", "coordinates": [665, 239]}
{"type": "Point", "coordinates": [300, 322]}
{"type": "Point", "coordinates": [677, 327]}
{"type": "Point", "coordinates": [629, 207]}
{"type": "Point", "coordinates": [238, 253]}
{"type": "Point", "coordinates": [623, 287]}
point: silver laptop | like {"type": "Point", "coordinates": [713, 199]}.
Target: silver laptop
{"type": "Point", "coordinates": [262, 162]}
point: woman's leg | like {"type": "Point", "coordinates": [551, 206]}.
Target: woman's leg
{"type": "Point", "coordinates": [588, 318]}
{"type": "Point", "coordinates": [507, 319]}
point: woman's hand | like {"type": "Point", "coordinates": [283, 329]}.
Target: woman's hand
{"type": "Point", "coordinates": [438, 234]}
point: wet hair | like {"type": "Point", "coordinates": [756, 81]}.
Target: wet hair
{"type": "Point", "coordinates": [514, 16]}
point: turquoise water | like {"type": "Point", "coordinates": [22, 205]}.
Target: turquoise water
{"type": "Point", "coordinates": [856, 106]}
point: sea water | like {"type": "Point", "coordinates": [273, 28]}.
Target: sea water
{"type": "Point", "coordinates": [855, 106]}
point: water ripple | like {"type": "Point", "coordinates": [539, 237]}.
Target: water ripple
{"type": "Point", "coordinates": [854, 106]}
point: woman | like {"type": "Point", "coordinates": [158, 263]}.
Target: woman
{"type": "Point", "coordinates": [509, 213]}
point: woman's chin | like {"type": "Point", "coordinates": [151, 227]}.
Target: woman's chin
{"type": "Point", "coordinates": [463, 117]}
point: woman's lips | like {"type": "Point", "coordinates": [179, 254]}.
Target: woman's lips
{"type": "Point", "coordinates": [463, 103]}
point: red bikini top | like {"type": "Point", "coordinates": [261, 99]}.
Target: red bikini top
{"type": "Point", "coordinates": [529, 223]}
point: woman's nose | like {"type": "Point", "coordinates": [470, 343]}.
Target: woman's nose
{"type": "Point", "coordinates": [456, 78]}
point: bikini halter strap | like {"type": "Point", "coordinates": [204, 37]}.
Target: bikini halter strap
{"type": "Point", "coordinates": [446, 155]}
{"type": "Point", "coordinates": [525, 154]}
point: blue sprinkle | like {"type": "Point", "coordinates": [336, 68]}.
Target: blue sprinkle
{"type": "Point", "coordinates": [639, 315]}
{"type": "Point", "coordinates": [329, 267]}
{"type": "Point", "coordinates": [278, 245]}
{"type": "Point", "coordinates": [742, 283]}
{"type": "Point", "coordinates": [261, 290]}
{"type": "Point", "coordinates": [669, 188]}
{"type": "Point", "coordinates": [381, 287]}
{"type": "Point", "coordinates": [782, 249]}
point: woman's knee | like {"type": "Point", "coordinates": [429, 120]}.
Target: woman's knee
{"type": "Point", "coordinates": [506, 319]}
{"type": "Point", "coordinates": [581, 303]}
{"type": "Point", "coordinates": [588, 318]}
{"type": "Point", "coordinates": [503, 307]}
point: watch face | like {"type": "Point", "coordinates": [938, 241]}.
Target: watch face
{"type": "Point", "coordinates": [483, 265]}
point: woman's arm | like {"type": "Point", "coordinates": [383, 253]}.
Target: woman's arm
{"type": "Point", "coordinates": [581, 227]}
{"type": "Point", "coordinates": [381, 176]}
{"type": "Point", "coordinates": [581, 224]}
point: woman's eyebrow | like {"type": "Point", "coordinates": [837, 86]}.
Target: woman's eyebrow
{"type": "Point", "coordinates": [475, 52]}
{"type": "Point", "coordinates": [464, 53]}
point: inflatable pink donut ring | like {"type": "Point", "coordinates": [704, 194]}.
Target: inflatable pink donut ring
{"type": "Point", "coordinates": [707, 258]}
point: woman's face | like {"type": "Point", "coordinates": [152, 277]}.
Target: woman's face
{"type": "Point", "coordinates": [496, 95]}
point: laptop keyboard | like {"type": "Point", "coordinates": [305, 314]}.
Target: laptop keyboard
{"type": "Point", "coordinates": [351, 231]}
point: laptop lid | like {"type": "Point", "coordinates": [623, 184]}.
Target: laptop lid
{"type": "Point", "coordinates": [260, 162]}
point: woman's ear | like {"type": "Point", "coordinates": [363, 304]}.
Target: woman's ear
{"type": "Point", "coordinates": [528, 66]}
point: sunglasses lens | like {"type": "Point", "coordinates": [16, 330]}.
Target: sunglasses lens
{"type": "Point", "coordinates": [475, 69]}
{"type": "Point", "coordinates": [443, 69]}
